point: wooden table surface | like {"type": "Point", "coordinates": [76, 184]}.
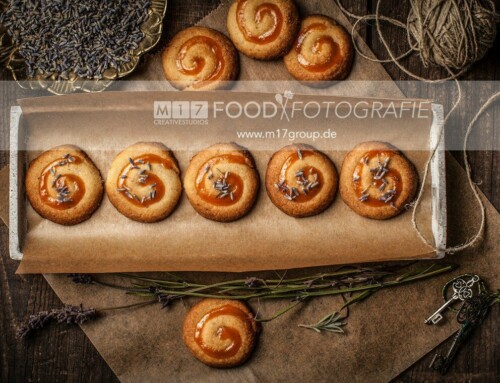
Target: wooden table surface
{"type": "Point", "coordinates": [64, 354]}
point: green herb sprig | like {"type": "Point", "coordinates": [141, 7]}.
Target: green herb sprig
{"type": "Point", "coordinates": [355, 282]}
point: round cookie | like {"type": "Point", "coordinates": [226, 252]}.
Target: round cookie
{"type": "Point", "coordinates": [200, 58]}
{"type": "Point", "coordinates": [263, 29]}
{"type": "Point", "coordinates": [143, 182]}
{"type": "Point", "coordinates": [323, 52]}
{"type": "Point", "coordinates": [220, 332]}
{"type": "Point", "coordinates": [63, 185]}
{"type": "Point", "coordinates": [377, 180]}
{"type": "Point", "coordinates": [222, 182]}
{"type": "Point", "coordinates": [301, 181]}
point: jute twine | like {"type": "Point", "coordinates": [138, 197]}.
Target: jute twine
{"type": "Point", "coordinates": [453, 35]}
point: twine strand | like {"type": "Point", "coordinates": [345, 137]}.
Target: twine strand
{"type": "Point", "coordinates": [451, 34]}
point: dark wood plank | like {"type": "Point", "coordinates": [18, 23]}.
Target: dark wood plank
{"type": "Point", "coordinates": [66, 355]}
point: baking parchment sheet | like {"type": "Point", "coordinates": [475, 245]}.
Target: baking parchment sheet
{"type": "Point", "coordinates": [104, 124]}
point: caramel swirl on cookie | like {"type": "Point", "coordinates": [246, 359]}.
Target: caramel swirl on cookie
{"type": "Point", "coordinates": [263, 29]}
{"type": "Point", "coordinates": [222, 182]}
{"type": "Point", "coordinates": [301, 181]}
{"type": "Point", "coordinates": [143, 182]}
{"type": "Point", "coordinates": [63, 185]}
{"type": "Point", "coordinates": [200, 58]}
{"type": "Point", "coordinates": [377, 180]}
{"type": "Point", "coordinates": [322, 52]}
{"type": "Point", "coordinates": [220, 333]}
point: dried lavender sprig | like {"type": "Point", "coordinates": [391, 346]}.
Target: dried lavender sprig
{"type": "Point", "coordinates": [345, 280]}
{"type": "Point", "coordinates": [285, 289]}
{"type": "Point", "coordinates": [344, 277]}
{"type": "Point", "coordinates": [271, 283]}
{"type": "Point", "coordinates": [68, 314]}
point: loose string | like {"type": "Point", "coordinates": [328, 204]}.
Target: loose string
{"type": "Point", "coordinates": [467, 29]}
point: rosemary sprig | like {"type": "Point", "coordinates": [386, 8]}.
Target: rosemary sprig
{"type": "Point", "coordinates": [332, 323]}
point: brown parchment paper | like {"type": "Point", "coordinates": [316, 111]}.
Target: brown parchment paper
{"type": "Point", "coordinates": [384, 335]}
{"type": "Point", "coordinates": [104, 124]}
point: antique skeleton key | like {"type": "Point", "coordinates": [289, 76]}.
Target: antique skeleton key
{"type": "Point", "coordinates": [470, 316]}
{"type": "Point", "coordinates": [462, 289]}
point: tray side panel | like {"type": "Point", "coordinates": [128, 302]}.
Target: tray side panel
{"type": "Point", "coordinates": [438, 176]}
{"type": "Point", "coordinates": [17, 221]}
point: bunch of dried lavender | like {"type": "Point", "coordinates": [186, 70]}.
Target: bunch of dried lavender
{"type": "Point", "coordinates": [81, 37]}
{"type": "Point", "coordinates": [345, 281]}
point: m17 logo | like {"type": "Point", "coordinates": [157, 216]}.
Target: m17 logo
{"type": "Point", "coordinates": [181, 110]}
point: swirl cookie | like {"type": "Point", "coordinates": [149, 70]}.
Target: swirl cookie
{"type": "Point", "coordinates": [222, 182]}
{"type": "Point", "coordinates": [377, 180]}
{"type": "Point", "coordinates": [143, 182]}
{"type": "Point", "coordinates": [263, 29]}
{"type": "Point", "coordinates": [220, 332]}
{"type": "Point", "coordinates": [301, 181]}
{"type": "Point", "coordinates": [322, 52]}
{"type": "Point", "coordinates": [63, 185]}
{"type": "Point", "coordinates": [200, 58]}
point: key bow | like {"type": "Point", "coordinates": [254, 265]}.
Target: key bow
{"type": "Point", "coordinates": [463, 289]}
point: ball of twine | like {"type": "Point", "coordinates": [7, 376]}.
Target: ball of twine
{"type": "Point", "coordinates": [451, 33]}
